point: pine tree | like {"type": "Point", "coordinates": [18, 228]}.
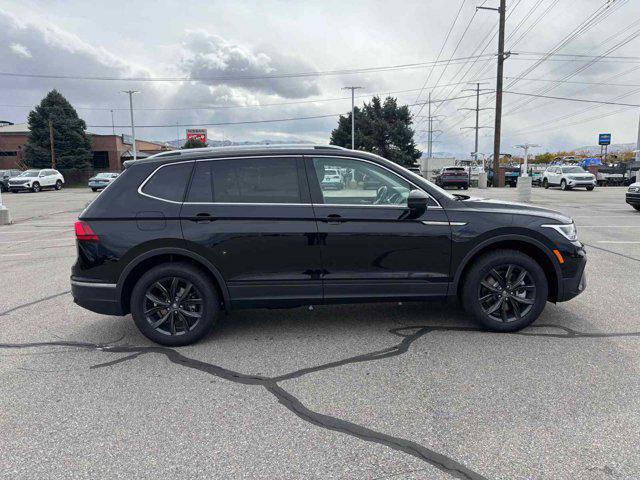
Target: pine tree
{"type": "Point", "coordinates": [71, 144]}
{"type": "Point", "coordinates": [382, 128]}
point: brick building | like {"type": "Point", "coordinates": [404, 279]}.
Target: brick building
{"type": "Point", "coordinates": [109, 151]}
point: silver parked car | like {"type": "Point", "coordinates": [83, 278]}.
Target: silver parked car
{"type": "Point", "coordinates": [101, 180]}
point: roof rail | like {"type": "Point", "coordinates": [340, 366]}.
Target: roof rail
{"type": "Point", "coordinates": [231, 148]}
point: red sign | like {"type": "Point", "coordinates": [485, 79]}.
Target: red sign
{"type": "Point", "coordinates": [197, 134]}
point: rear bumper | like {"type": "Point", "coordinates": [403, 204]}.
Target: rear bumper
{"type": "Point", "coordinates": [98, 297]}
{"type": "Point", "coordinates": [448, 182]}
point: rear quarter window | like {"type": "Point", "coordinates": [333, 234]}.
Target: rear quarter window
{"type": "Point", "coordinates": [168, 182]}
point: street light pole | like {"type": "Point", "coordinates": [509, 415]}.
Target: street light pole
{"type": "Point", "coordinates": [526, 147]}
{"type": "Point", "coordinates": [133, 128]}
{"type": "Point", "coordinates": [638, 153]}
{"type": "Point", "coordinates": [353, 117]}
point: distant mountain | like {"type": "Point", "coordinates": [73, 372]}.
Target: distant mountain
{"type": "Point", "coordinates": [613, 149]}
{"type": "Point", "coordinates": [229, 143]}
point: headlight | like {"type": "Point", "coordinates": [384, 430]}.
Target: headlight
{"type": "Point", "coordinates": [634, 189]}
{"type": "Point", "coordinates": [568, 231]}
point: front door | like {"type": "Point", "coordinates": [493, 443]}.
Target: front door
{"type": "Point", "coordinates": [253, 219]}
{"type": "Point", "coordinates": [372, 246]}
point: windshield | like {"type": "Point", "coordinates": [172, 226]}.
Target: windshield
{"type": "Point", "coordinates": [454, 169]}
{"type": "Point", "coordinates": [572, 170]}
{"type": "Point", "coordinates": [30, 173]}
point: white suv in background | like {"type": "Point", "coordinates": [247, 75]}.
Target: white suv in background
{"type": "Point", "coordinates": [568, 177]}
{"type": "Point", "coordinates": [36, 180]}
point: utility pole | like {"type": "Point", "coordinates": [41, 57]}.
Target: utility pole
{"type": "Point", "coordinates": [53, 149]}
{"type": "Point", "coordinates": [353, 116]}
{"type": "Point", "coordinates": [499, 81]}
{"type": "Point", "coordinates": [477, 110]}
{"type": "Point", "coordinates": [430, 130]}
{"type": "Point", "coordinates": [133, 128]}
{"type": "Point", "coordinates": [113, 125]}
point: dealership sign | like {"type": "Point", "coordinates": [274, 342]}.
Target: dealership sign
{"type": "Point", "coordinates": [604, 139]}
{"type": "Point", "coordinates": [197, 134]}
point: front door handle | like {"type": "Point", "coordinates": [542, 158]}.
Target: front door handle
{"type": "Point", "coordinates": [334, 219]}
{"type": "Point", "coordinates": [203, 218]}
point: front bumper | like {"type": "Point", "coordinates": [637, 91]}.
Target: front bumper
{"type": "Point", "coordinates": [575, 285]}
{"type": "Point", "coordinates": [581, 183]}
{"type": "Point", "coordinates": [633, 198]}
{"type": "Point", "coordinates": [98, 297]}
{"type": "Point", "coordinates": [22, 186]}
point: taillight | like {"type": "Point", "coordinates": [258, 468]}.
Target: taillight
{"type": "Point", "coordinates": [84, 232]}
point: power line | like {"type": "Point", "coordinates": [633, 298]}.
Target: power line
{"type": "Point", "coordinates": [568, 99]}
{"type": "Point", "coordinates": [247, 122]}
{"type": "Point", "coordinates": [232, 107]}
{"type": "Point", "coordinates": [227, 78]}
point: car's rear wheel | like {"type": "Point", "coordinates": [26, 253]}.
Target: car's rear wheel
{"type": "Point", "coordinates": [59, 185]}
{"type": "Point", "coordinates": [505, 290]}
{"type": "Point", "coordinates": [35, 188]}
{"type": "Point", "coordinates": [174, 304]}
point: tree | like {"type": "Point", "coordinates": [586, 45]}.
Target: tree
{"type": "Point", "coordinates": [382, 128]}
{"type": "Point", "coordinates": [71, 144]}
{"type": "Point", "coordinates": [194, 143]}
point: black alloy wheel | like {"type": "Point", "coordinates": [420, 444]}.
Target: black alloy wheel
{"type": "Point", "coordinates": [505, 290]}
{"type": "Point", "coordinates": [35, 188]}
{"type": "Point", "coordinates": [507, 293]}
{"type": "Point", "coordinates": [59, 185]}
{"type": "Point", "coordinates": [173, 306]}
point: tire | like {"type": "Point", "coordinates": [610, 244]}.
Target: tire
{"type": "Point", "coordinates": [172, 331]}
{"type": "Point", "coordinates": [2, 188]}
{"type": "Point", "coordinates": [637, 207]}
{"type": "Point", "coordinates": [466, 187]}
{"type": "Point", "coordinates": [545, 183]}
{"type": "Point", "coordinates": [563, 185]}
{"type": "Point", "coordinates": [532, 295]}
{"type": "Point", "coordinates": [590, 188]}
{"type": "Point", "coordinates": [35, 188]}
{"type": "Point", "coordinates": [94, 189]}
{"type": "Point", "coordinates": [59, 185]}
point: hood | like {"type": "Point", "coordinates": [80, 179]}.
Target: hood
{"type": "Point", "coordinates": [514, 208]}
{"type": "Point", "coordinates": [635, 184]}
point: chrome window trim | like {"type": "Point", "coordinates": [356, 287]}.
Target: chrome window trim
{"type": "Point", "coordinates": [437, 206]}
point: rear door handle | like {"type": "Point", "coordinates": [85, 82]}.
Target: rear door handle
{"type": "Point", "coordinates": [203, 218]}
{"type": "Point", "coordinates": [334, 219]}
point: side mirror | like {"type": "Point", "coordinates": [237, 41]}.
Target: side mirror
{"type": "Point", "coordinates": [417, 200]}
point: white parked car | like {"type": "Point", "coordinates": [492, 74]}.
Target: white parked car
{"type": "Point", "coordinates": [36, 180]}
{"type": "Point", "coordinates": [568, 177]}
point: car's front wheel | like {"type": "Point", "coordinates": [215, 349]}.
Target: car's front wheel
{"type": "Point", "coordinates": [590, 188]}
{"type": "Point", "coordinates": [175, 304]}
{"type": "Point", "coordinates": [637, 207]}
{"type": "Point", "coordinates": [505, 290]}
{"type": "Point", "coordinates": [545, 183]}
{"type": "Point", "coordinates": [35, 188]}
{"type": "Point", "coordinates": [563, 185]}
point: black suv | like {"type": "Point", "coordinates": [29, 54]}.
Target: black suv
{"type": "Point", "coordinates": [183, 234]}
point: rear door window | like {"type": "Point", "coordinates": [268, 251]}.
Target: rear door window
{"type": "Point", "coordinates": [246, 180]}
{"type": "Point", "coordinates": [169, 182]}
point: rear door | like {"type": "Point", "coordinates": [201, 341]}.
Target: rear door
{"type": "Point", "coordinates": [252, 218]}
{"type": "Point", "coordinates": [372, 246]}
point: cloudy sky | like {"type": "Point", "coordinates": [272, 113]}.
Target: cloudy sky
{"type": "Point", "coordinates": [208, 49]}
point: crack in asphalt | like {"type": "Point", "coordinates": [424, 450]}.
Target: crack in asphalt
{"type": "Point", "coordinates": [409, 335]}
{"type": "Point", "coordinates": [28, 304]}
{"type": "Point", "coordinates": [614, 253]}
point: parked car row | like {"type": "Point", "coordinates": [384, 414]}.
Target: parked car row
{"type": "Point", "coordinates": [35, 180]}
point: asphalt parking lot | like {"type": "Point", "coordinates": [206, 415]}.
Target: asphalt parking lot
{"type": "Point", "coordinates": [412, 391]}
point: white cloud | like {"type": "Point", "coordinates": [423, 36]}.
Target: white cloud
{"type": "Point", "coordinates": [20, 50]}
